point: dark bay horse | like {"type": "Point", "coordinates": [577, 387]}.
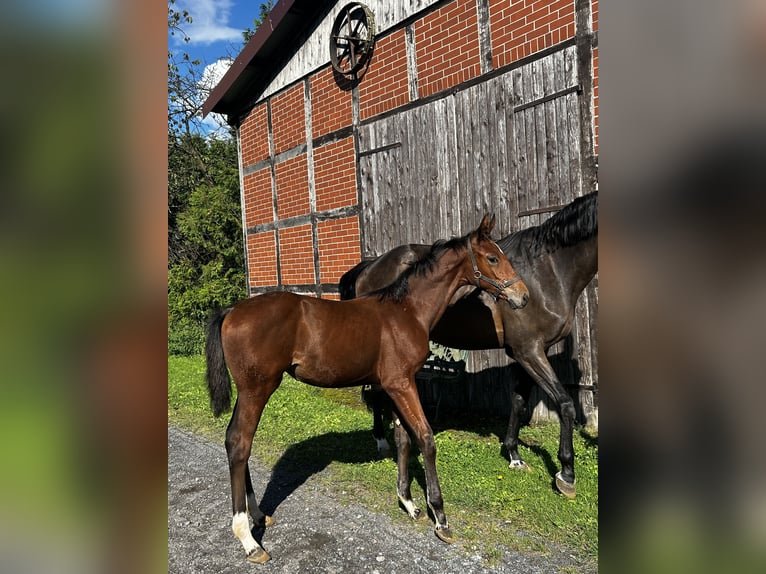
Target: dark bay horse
{"type": "Point", "coordinates": [379, 339]}
{"type": "Point", "coordinates": [556, 260]}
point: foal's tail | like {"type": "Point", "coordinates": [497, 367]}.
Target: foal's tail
{"type": "Point", "coordinates": [217, 375]}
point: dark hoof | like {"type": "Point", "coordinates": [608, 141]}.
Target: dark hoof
{"type": "Point", "coordinates": [445, 534]}
{"type": "Point", "coordinates": [565, 488]}
{"type": "Point", "coordinates": [258, 556]}
{"type": "Point", "coordinates": [519, 465]}
{"type": "Point", "coordinates": [420, 515]}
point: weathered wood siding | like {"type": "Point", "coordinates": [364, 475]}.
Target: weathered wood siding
{"type": "Point", "coordinates": [510, 145]}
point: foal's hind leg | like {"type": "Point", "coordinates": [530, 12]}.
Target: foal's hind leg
{"type": "Point", "coordinates": [519, 401]}
{"type": "Point", "coordinates": [239, 440]}
{"type": "Point", "coordinates": [378, 427]}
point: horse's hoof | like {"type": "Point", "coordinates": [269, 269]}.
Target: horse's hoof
{"type": "Point", "coordinates": [520, 465]}
{"type": "Point", "coordinates": [258, 556]}
{"type": "Point", "coordinates": [445, 534]}
{"type": "Point", "coordinates": [420, 515]}
{"type": "Point", "coordinates": [565, 488]}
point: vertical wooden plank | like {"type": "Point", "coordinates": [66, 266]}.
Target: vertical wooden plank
{"type": "Point", "coordinates": [511, 152]}
{"type": "Point", "coordinates": [499, 135]}
{"type": "Point", "coordinates": [520, 131]}
{"type": "Point", "coordinates": [455, 190]}
{"type": "Point", "coordinates": [562, 133]}
{"type": "Point", "coordinates": [552, 194]}
{"type": "Point", "coordinates": [485, 156]}
{"type": "Point", "coordinates": [531, 144]}
{"type": "Point", "coordinates": [573, 126]}
{"type": "Point", "coordinates": [460, 159]}
{"type": "Point", "coordinates": [541, 137]}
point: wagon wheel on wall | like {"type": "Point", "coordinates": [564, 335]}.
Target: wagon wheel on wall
{"type": "Point", "coordinates": [352, 38]}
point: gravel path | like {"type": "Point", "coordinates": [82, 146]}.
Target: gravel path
{"type": "Point", "coordinates": [315, 530]}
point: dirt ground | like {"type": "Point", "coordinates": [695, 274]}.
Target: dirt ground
{"type": "Point", "coordinates": [317, 529]}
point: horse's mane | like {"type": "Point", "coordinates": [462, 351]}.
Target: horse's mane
{"type": "Point", "coordinates": [397, 290]}
{"type": "Point", "coordinates": [574, 223]}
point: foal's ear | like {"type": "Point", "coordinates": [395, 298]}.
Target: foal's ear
{"type": "Point", "coordinates": [486, 226]}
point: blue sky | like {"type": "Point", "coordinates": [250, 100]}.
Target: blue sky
{"type": "Point", "coordinates": [215, 34]}
{"type": "Point", "coordinates": [216, 30]}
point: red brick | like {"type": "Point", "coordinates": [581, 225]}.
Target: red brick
{"type": "Point", "coordinates": [292, 183]}
{"type": "Point", "coordinates": [262, 259]}
{"type": "Point", "coordinates": [288, 118]}
{"type": "Point", "coordinates": [385, 84]}
{"type": "Point", "coordinates": [296, 255]}
{"type": "Point", "coordinates": [254, 136]}
{"type": "Point", "coordinates": [330, 105]}
{"type": "Point", "coordinates": [339, 248]}
{"type": "Point", "coordinates": [259, 203]}
{"type": "Point", "coordinates": [447, 43]}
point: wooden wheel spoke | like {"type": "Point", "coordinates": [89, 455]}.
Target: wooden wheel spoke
{"type": "Point", "coordinates": [351, 38]}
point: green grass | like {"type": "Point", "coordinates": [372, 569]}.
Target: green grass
{"type": "Point", "coordinates": [305, 430]}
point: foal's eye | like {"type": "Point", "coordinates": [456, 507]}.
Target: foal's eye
{"type": "Point", "coordinates": [492, 259]}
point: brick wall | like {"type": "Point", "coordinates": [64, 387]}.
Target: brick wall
{"type": "Point", "coordinates": [522, 27]}
{"type": "Point", "coordinates": [259, 205]}
{"type": "Point", "coordinates": [447, 43]}
{"type": "Point", "coordinates": [296, 255]}
{"type": "Point", "coordinates": [385, 85]}
{"type": "Point", "coordinates": [338, 247]}
{"type": "Point", "coordinates": [330, 106]}
{"type": "Point", "coordinates": [335, 175]}
{"type": "Point", "coordinates": [262, 259]}
{"type": "Point", "coordinates": [292, 179]}
{"type": "Point", "coordinates": [288, 118]}
{"type": "Point", "coordinates": [254, 136]}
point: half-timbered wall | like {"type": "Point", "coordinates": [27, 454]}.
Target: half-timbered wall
{"type": "Point", "coordinates": [466, 107]}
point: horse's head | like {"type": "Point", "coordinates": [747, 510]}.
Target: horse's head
{"type": "Point", "coordinates": [491, 269]}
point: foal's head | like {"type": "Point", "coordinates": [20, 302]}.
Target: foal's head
{"type": "Point", "coordinates": [490, 268]}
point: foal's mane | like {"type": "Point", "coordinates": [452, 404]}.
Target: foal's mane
{"type": "Point", "coordinates": [398, 290]}
{"type": "Point", "coordinates": [574, 223]}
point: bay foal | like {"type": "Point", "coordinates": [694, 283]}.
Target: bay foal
{"type": "Point", "coordinates": [378, 339]}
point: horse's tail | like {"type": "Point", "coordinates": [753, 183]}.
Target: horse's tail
{"type": "Point", "coordinates": [217, 375]}
{"type": "Point", "coordinates": [347, 283]}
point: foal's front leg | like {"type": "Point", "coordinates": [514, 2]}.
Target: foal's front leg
{"type": "Point", "coordinates": [407, 403]}
{"type": "Point", "coordinates": [402, 439]}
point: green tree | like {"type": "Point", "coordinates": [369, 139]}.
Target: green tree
{"type": "Point", "coordinates": [205, 251]}
{"type": "Point", "coordinates": [263, 13]}
{"type": "Point", "coordinates": [206, 261]}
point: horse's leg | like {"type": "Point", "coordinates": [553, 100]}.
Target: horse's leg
{"type": "Point", "coordinates": [239, 441]}
{"type": "Point", "coordinates": [519, 402]}
{"type": "Point", "coordinates": [378, 428]}
{"type": "Point", "coordinates": [536, 364]}
{"type": "Point", "coordinates": [402, 439]}
{"type": "Point", "coordinates": [407, 404]}
{"type": "Point", "coordinates": [260, 519]}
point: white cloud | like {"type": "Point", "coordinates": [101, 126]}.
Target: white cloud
{"type": "Point", "coordinates": [214, 124]}
{"type": "Point", "coordinates": [210, 21]}
{"type": "Point", "coordinates": [213, 73]}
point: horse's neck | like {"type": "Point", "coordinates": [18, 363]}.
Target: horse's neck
{"type": "Point", "coordinates": [430, 292]}
{"type": "Point", "coordinates": [576, 265]}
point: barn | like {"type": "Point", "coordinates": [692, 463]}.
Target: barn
{"type": "Point", "coordinates": [363, 126]}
